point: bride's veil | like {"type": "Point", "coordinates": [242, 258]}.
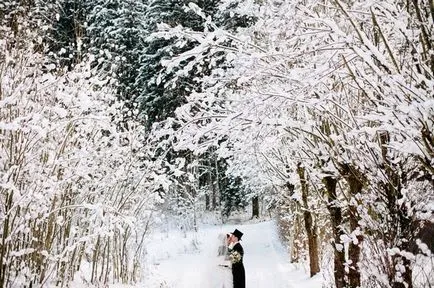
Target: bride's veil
{"type": "Point", "coordinates": [223, 248]}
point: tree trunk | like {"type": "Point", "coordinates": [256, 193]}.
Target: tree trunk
{"type": "Point", "coordinates": [297, 239]}
{"type": "Point", "coordinates": [402, 227]}
{"type": "Point", "coordinates": [354, 251]}
{"type": "Point", "coordinates": [309, 224]}
{"type": "Point", "coordinates": [355, 182]}
{"type": "Point", "coordinates": [211, 180]}
{"type": "Point", "coordinates": [336, 220]}
{"type": "Point", "coordinates": [294, 225]}
{"type": "Point", "coordinates": [207, 203]}
{"type": "Point", "coordinates": [255, 207]}
{"type": "Point", "coordinates": [216, 187]}
{"type": "Point", "coordinates": [4, 236]}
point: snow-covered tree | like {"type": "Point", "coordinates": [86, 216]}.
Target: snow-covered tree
{"type": "Point", "coordinates": [115, 34]}
{"type": "Point", "coordinates": [341, 90]}
{"type": "Point", "coordinates": [166, 89]}
{"type": "Point", "coordinates": [76, 192]}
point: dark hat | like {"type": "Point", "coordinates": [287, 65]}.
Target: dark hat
{"type": "Point", "coordinates": [237, 233]}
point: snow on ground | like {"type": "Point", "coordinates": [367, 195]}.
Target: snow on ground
{"type": "Point", "coordinates": [190, 260]}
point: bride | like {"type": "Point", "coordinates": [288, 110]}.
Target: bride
{"type": "Point", "coordinates": [224, 272]}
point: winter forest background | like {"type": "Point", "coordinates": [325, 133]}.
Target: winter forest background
{"type": "Point", "coordinates": [119, 117]}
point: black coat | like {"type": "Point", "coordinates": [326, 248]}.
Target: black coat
{"type": "Point", "coordinates": [238, 273]}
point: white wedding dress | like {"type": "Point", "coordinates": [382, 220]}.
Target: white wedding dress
{"type": "Point", "coordinates": [223, 274]}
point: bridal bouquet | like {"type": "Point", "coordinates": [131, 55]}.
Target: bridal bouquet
{"type": "Point", "coordinates": [235, 257]}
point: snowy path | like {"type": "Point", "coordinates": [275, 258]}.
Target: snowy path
{"type": "Point", "coordinates": [266, 259]}
{"type": "Point", "coordinates": [192, 261]}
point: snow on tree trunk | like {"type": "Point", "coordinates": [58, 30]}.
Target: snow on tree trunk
{"type": "Point", "coordinates": [337, 221]}
{"type": "Point", "coordinates": [309, 224]}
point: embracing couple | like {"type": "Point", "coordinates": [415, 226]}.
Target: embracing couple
{"type": "Point", "coordinates": [235, 254]}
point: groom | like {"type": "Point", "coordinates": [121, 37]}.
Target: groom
{"type": "Point", "coordinates": [236, 254]}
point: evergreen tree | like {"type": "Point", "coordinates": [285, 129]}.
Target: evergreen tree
{"type": "Point", "coordinates": [164, 89]}
{"type": "Point", "coordinates": [115, 32]}
{"type": "Point", "coordinates": [221, 190]}
{"type": "Point", "coordinates": [112, 31]}
{"type": "Point", "coordinates": [159, 99]}
{"type": "Point", "coordinates": [233, 196]}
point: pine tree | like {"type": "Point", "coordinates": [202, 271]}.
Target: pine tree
{"type": "Point", "coordinates": [159, 99]}
{"type": "Point", "coordinates": [163, 90]}
{"type": "Point", "coordinates": [233, 196]}
{"type": "Point", "coordinates": [115, 36]}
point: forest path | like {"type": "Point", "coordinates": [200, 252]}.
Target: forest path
{"type": "Point", "coordinates": [266, 260]}
{"type": "Point", "coordinates": [191, 261]}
